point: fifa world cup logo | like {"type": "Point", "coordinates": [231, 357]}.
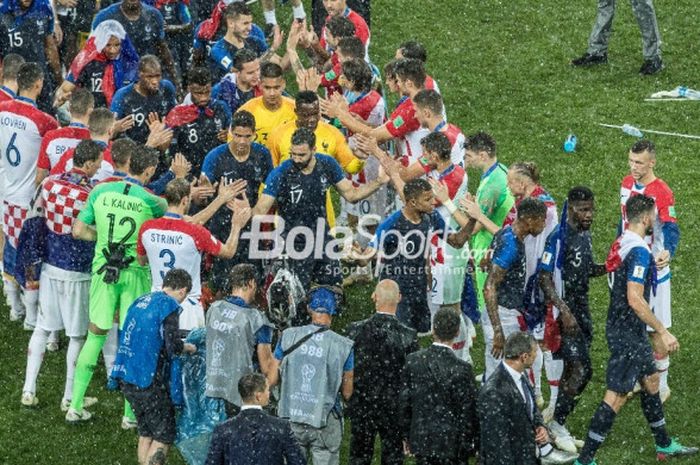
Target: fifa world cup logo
{"type": "Point", "coordinates": [307, 374]}
{"type": "Point", "coordinates": [218, 349]}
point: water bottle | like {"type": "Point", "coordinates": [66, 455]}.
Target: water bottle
{"type": "Point", "coordinates": [688, 93]}
{"type": "Point", "coordinates": [631, 130]}
{"type": "Point", "coordinates": [570, 143]}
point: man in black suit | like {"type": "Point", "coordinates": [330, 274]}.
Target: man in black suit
{"type": "Point", "coordinates": [438, 399]}
{"type": "Point", "coordinates": [253, 437]}
{"type": "Point", "coordinates": [382, 343]}
{"type": "Point", "coordinates": [512, 429]}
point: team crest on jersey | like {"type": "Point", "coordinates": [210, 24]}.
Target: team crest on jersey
{"type": "Point", "coordinates": [218, 123]}
{"type": "Point", "coordinates": [672, 211]}
{"type": "Point", "coordinates": [638, 272]}
{"type": "Point", "coordinates": [325, 146]}
{"type": "Point", "coordinates": [546, 258]}
{"type": "Point", "coordinates": [148, 29]}
{"type": "Point", "coordinates": [398, 122]}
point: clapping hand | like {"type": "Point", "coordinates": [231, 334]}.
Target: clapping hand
{"type": "Point", "coordinates": [180, 166]}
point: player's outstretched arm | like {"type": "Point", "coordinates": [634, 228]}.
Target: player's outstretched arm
{"type": "Point", "coordinates": [84, 231]}
{"type": "Point", "coordinates": [353, 194]}
{"type": "Point", "coordinates": [241, 215]}
{"type": "Point", "coordinates": [265, 203]}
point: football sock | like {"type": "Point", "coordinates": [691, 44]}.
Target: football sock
{"type": "Point", "coordinates": [74, 346]}
{"type": "Point", "coordinates": [654, 413]}
{"type": "Point", "coordinates": [564, 406]}
{"type": "Point", "coordinates": [109, 350]}
{"type": "Point", "coordinates": [537, 372]}
{"type": "Point", "coordinates": [553, 369]}
{"type": "Point", "coordinates": [662, 364]}
{"type": "Point", "coordinates": [35, 355]}
{"type": "Point", "coordinates": [85, 367]}
{"type": "Point", "coordinates": [601, 423]}
{"type": "Point", "coordinates": [299, 12]}
{"type": "Point", "coordinates": [53, 336]}
{"type": "Point", "coordinates": [30, 298]}
{"type": "Point", "coordinates": [270, 17]}
{"type": "Point", "coordinates": [12, 296]}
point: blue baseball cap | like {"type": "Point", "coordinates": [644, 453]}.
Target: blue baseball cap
{"type": "Point", "coordinates": [323, 301]}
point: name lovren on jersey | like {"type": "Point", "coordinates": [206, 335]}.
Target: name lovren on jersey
{"type": "Point", "coordinates": [15, 123]}
{"type": "Point", "coordinates": [123, 204]}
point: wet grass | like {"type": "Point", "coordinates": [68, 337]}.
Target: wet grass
{"type": "Point", "coordinates": [502, 67]}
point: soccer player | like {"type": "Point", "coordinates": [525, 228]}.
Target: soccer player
{"type": "Point", "coordinates": [200, 126]}
{"type": "Point", "coordinates": [22, 127]}
{"type": "Point", "coordinates": [65, 272]}
{"type": "Point", "coordinates": [242, 84]}
{"type": "Point", "coordinates": [149, 98]}
{"type": "Point", "coordinates": [630, 265]}
{"type": "Point", "coordinates": [57, 142]}
{"type": "Point", "coordinates": [429, 112]}
{"type": "Point", "coordinates": [107, 62]}
{"type": "Point", "coordinates": [173, 242]}
{"type": "Point", "coordinates": [27, 29]}
{"type": "Point", "coordinates": [75, 22]}
{"type": "Point", "coordinates": [336, 8]}
{"type": "Point", "coordinates": [117, 210]}
{"type": "Point", "coordinates": [416, 51]}
{"type": "Point", "coordinates": [565, 269]}
{"type": "Point", "coordinates": [144, 26]}
{"type": "Point", "coordinates": [505, 284]}
{"type": "Point", "coordinates": [272, 108]}
{"type": "Point", "coordinates": [177, 24]}
{"type": "Point", "coordinates": [241, 158]}
{"type": "Point", "coordinates": [8, 85]}
{"type": "Point", "coordinates": [299, 186]}
{"type": "Point", "coordinates": [663, 241]}
{"type": "Point", "coordinates": [147, 345]}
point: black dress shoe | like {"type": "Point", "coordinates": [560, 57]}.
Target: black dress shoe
{"type": "Point", "coordinates": [652, 66]}
{"type": "Point", "coordinates": [590, 60]}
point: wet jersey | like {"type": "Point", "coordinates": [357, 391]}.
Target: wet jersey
{"type": "Point", "coordinates": [127, 101]}
{"type": "Point", "coordinates": [145, 33]}
{"type": "Point", "coordinates": [6, 94]}
{"type": "Point", "coordinates": [106, 169]}
{"type": "Point", "coordinates": [91, 78]}
{"type": "Point", "coordinates": [405, 128]}
{"type": "Point", "coordinates": [57, 142]}
{"type": "Point", "coordinates": [266, 120]}
{"type": "Point", "coordinates": [495, 201]}
{"type": "Point", "coordinates": [223, 54]}
{"type": "Point", "coordinates": [171, 242]}
{"type": "Point", "coordinates": [227, 91]}
{"type": "Point", "coordinates": [509, 254]}
{"type": "Point", "coordinates": [25, 34]}
{"type": "Point", "coordinates": [361, 30]}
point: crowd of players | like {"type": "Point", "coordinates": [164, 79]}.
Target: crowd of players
{"type": "Point", "coordinates": [175, 116]}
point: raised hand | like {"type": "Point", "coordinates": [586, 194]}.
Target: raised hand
{"type": "Point", "coordinates": [180, 166]}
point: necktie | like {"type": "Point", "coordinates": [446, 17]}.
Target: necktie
{"type": "Point", "coordinates": [528, 396]}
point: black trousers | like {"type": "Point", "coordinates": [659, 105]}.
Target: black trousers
{"type": "Point", "coordinates": [364, 431]}
{"type": "Point", "coordinates": [436, 461]}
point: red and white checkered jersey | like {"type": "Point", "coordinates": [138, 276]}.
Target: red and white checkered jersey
{"type": "Point", "coordinates": [455, 178]}
{"type": "Point", "coordinates": [22, 127]}
{"type": "Point", "coordinates": [665, 207]}
{"type": "Point", "coordinates": [361, 31]}
{"type": "Point", "coordinates": [63, 201]}
{"type": "Point", "coordinates": [456, 137]}
{"type": "Point", "coordinates": [57, 142]}
{"type": "Point", "coordinates": [106, 170]}
{"type": "Point", "coordinates": [13, 217]}
{"type": "Point", "coordinates": [171, 242]}
{"type": "Point", "coordinates": [372, 109]}
{"type": "Point", "coordinates": [405, 128]}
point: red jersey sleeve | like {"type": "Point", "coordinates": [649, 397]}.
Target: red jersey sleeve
{"type": "Point", "coordinates": [665, 202]}
{"type": "Point", "coordinates": [403, 120]}
{"type": "Point", "coordinates": [140, 249]}
{"type": "Point", "coordinates": [205, 241]}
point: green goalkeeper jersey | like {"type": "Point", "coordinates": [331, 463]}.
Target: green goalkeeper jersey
{"type": "Point", "coordinates": [118, 209]}
{"type": "Point", "coordinates": [495, 201]}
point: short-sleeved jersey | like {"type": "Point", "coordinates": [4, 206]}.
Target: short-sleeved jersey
{"type": "Point", "coordinates": [405, 128]}
{"type": "Point", "coordinates": [91, 78]}
{"type": "Point", "coordinates": [665, 207]}
{"type": "Point", "coordinates": [223, 54]}
{"type": "Point", "coordinates": [127, 101]}
{"type": "Point", "coordinates": [220, 163]}
{"type": "Point", "coordinates": [65, 164]}
{"type": "Point", "coordinates": [25, 34]}
{"type": "Point", "coordinates": [301, 198]}
{"type": "Point", "coordinates": [196, 139]}
{"type": "Point", "coordinates": [329, 141]}
{"type": "Point", "coordinates": [509, 254]}
{"type": "Point", "coordinates": [494, 198]}
{"type": "Point", "coordinates": [456, 138]}
{"type": "Point", "coordinates": [64, 197]}
{"type": "Point", "coordinates": [171, 242]}
{"type": "Point", "coordinates": [361, 30]}
{"type": "Point", "coordinates": [6, 94]}
{"type": "Point", "coordinates": [630, 260]}
{"type": "Point", "coordinates": [22, 127]}
{"type": "Point", "coordinates": [57, 142]}
{"type": "Point", "coordinates": [118, 210]}
{"type": "Point", "coordinates": [267, 120]}
{"type": "Point", "coordinates": [403, 248]}
{"type": "Point", "coordinates": [175, 13]}
{"type": "Point", "coordinates": [227, 91]}
{"type": "Point", "coordinates": [145, 33]}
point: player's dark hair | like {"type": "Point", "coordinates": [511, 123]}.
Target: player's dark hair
{"type": "Point", "coordinates": [352, 47]}
{"type": "Point", "coordinates": [241, 275]}
{"type": "Point", "coordinates": [250, 384]}
{"type": "Point", "coordinates": [29, 73]}
{"type": "Point", "coordinates": [121, 150]}
{"type": "Point", "coordinates": [415, 187]}
{"type": "Point", "coordinates": [643, 145]}
{"type": "Point", "coordinates": [414, 50]}
{"type": "Point", "coordinates": [177, 279]}
{"type": "Point", "coordinates": [340, 26]}
{"type": "Point", "coordinates": [243, 119]}
{"type": "Point", "coordinates": [304, 136]}
{"type": "Point", "coordinates": [86, 150]}
{"type": "Point", "coordinates": [439, 143]}
{"type": "Point", "coordinates": [81, 102]}
{"type": "Point", "coordinates": [100, 121]}
{"type": "Point", "coordinates": [236, 9]}
{"type": "Point", "coordinates": [176, 190]}
{"type": "Point", "coordinates": [531, 207]}
{"type": "Point", "coordinates": [357, 70]}
{"type": "Point", "coordinates": [390, 69]}
{"type": "Point", "coordinates": [580, 194]}
{"type": "Point", "coordinates": [446, 324]}
{"type": "Point", "coordinates": [10, 66]}
{"type": "Point", "coordinates": [481, 142]}
{"type": "Point", "coordinates": [142, 158]}
{"type": "Point", "coordinates": [637, 206]}
{"type": "Point", "coordinates": [200, 76]}
{"type": "Point", "coordinates": [243, 56]}
{"type": "Point", "coordinates": [149, 62]}
{"type": "Point", "coordinates": [517, 344]}
{"type": "Point", "coordinates": [411, 70]}
{"type": "Point", "coordinates": [270, 70]}
{"type": "Point", "coordinates": [528, 169]}
{"type": "Point", "coordinates": [430, 99]}
{"type": "Point", "coordinates": [306, 97]}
